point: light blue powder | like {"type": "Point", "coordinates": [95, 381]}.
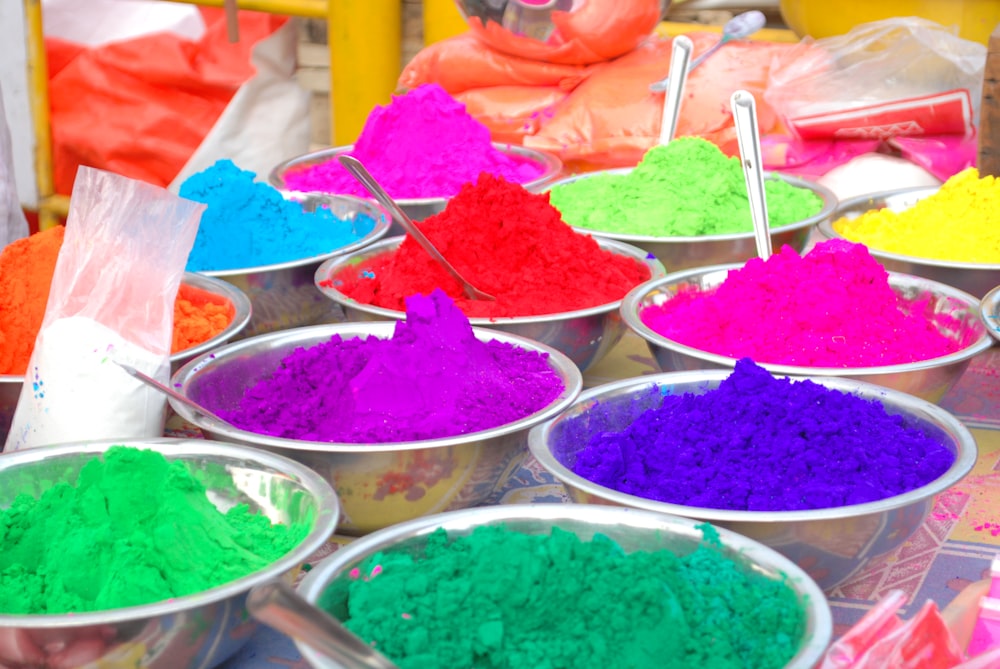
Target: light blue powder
{"type": "Point", "coordinates": [249, 224]}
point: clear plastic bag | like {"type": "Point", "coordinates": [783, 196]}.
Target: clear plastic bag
{"type": "Point", "coordinates": [13, 225]}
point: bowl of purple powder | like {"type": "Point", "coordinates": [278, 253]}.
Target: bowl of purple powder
{"type": "Point", "coordinates": [989, 312]}
{"type": "Point", "coordinates": [830, 472]}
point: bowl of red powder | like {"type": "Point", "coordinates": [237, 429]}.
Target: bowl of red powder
{"type": "Point", "coordinates": [989, 312]}
{"type": "Point", "coordinates": [832, 312]}
{"type": "Point", "coordinates": [571, 585]}
{"type": "Point", "coordinates": [830, 472]}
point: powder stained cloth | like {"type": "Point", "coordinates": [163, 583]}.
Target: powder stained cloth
{"type": "Point", "coordinates": [506, 241]}
{"type": "Point", "coordinates": [960, 223]}
{"type": "Point", "coordinates": [499, 599]}
{"type": "Point", "coordinates": [832, 307]}
{"type": "Point", "coordinates": [431, 379]}
{"type": "Point", "coordinates": [132, 529]}
{"type": "Point", "coordinates": [249, 224]}
{"type": "Point", "coordinates": [755, 443]}
{"type": "Point", "coordinates": [422, 145]}
{"type": "Point", "coordinates": [688, 187]}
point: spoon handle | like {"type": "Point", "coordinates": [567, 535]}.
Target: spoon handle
{"type": "Point", "coordinates": [170, 392]}
{"type": "Point", "coordinates": [748, 139]}
{"type": "Point", "coordinates": [679, 60]}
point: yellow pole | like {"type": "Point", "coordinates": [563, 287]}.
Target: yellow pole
{"type": "Point", "coordinates": [365, 40]}
{"type": "Point", "coordinates": [38, 83]}
{"type": "Point", "coordinates": [442, 20]}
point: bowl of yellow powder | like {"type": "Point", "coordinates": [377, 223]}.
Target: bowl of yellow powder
{"type": "Point", "coordinates": [142, 553]}
{"type": "Point", "coordinates": [989, 311]}
{"type": "Point", "coordinates": [949, 234]}
{"type": "Point", "coordinates": [568, 585]}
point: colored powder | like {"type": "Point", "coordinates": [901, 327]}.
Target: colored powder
{"type": "Point", "coordinates": [431, 379]}
{"type": "Point", "coordinates": [755, 443]}
{"type": "Point", "coordinates": [960, 223]}
{"type": "Point", "coordinates": [133, 529]}
{"type": "Point", "coordinates": [422, 145]}
{"type": "Point", "coordinates": [198, 316]}
{"type": "Point", "coordinates": [506, 241]}
{"type": "Point", "coordinates": [249, 223]}
{"type": "Point", "coordinates": [686, 188]}
{"type": "Point", "coordinates": [496, 598]}
{"type": "Point", "coordinates": [832, 307]}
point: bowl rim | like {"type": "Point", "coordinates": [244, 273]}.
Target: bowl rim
{"type": "Point", "coordinates": [989, 312]}
{"type": "Point", "coordinates": [315, 334]}
{"type": "Point", "coordinates": [863, 203]}
{"type": "Point", "coordinates": [966, 450]}
{"type": "Point", "coordinates": [813, 600]}
{"type": "Point", "coordinates": [328, 267]}
{"type": "Point", "coordinates": [551, 167]}
{"type": "Point", "coordinates": [630, 314]}
{"type": "Point", "coordinates": [172, 448]}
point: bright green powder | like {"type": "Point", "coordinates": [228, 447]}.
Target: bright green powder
{"type": "Point", "coordinates": [686, 188]}
{"type": "Point", "coordinates": [134, 529]}
{"type": "Point", "coordinates": [502, 599]}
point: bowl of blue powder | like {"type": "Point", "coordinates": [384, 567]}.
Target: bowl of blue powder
{"type": "Point", "coordinates": [830, 472]}
{"type": "Point", "coordinates": [269, 244]}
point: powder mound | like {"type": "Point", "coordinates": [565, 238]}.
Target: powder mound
{"type": "Point", "coordinates": [498, 599]}
{"type": "Point", "coordinates": [249, 223]}
{"type": "Point", "coordinates": [755, 443]}
{"type": "Point", "coordinates": [506, 241]}
{"type": "Point", "coordinates": [437, 146]}
{"type": "Point", "coordinates": [433, 378]}
{"type": "Point", "coordinates": [132, 529]}
{"type": "Point", "coordinates": [833, 307]}
{"type": "Point", "coordinates": [198, 316]}
{"type": "Point", "coordinates": [687, 188]}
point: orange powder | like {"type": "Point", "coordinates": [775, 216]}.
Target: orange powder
{"type": "Point", "coordinates": [198, 316]}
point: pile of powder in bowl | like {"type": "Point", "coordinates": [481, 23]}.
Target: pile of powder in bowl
{"type": "Point", "coordinates": [685, 188]}
{"type": "Point", "coordinates": [833, 307]}
{"type": "Point", "coordinates": [250, 224]}
{"type": "Point", "coordinates": [133, 529]}
{"type": "Point", "coordinates": [754, 443]}
{"type": "Point", "coordinates": [960, 222]}
{"type": "Point", "coordinates": [505, 241]}
{"type": "Point", "coordinates": [433, 378]}
{"type": "Point", "coordinates": [26, 269]}
{"type": "Point", "coordinates": [496, 599]}
{"type": "Point", "coordinates": [422, 145]}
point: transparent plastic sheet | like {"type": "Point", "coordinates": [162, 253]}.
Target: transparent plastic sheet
{"type": "Point", "coordinates": [512, 112]}
{"type": "Point", "coordinates": [13, 225]}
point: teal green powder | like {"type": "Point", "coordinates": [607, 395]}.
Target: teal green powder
{"type": "Point", "coordinates": [686, 188]}
{"type": "Point", "coordinates": [502, 599]}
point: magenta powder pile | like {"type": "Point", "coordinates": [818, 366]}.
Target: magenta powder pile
{"type": "Point", "coordinates": [833, 307]}
{"type": "Point", "coordinates": [422, 145]}
{"type": "Point", "coordinates": [433, 378]}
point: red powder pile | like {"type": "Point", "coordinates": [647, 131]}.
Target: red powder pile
{"type": "Point", "coordinates": [505, 241]}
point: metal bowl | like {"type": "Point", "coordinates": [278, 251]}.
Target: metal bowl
{"type": "Point", "coordinates": [679, 253]}
{"type": "Point", "coordinates": [927, 379]}
{"type": "Point", "coordinates": [974, 278]}
{"type": "Point", "coordinates": [283, 294]}
{"type": "Point", "coordinates": [829, 544]}
{"type": "Point", "coordinates": [989, 311]}
{"type": "Point", "coordinates": [196, 631]}
{"type": "Point", "coordinates": [633, 529]}
{"type": "Point", "coordinates": [585, 335]}
{"type": "Point", "coordinates": [377, 484]}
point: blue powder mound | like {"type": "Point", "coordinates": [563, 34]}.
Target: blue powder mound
{"type": "Point", "coordinates": [249, 224]}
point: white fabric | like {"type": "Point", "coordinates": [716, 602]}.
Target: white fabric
{"type": "Point", "coordinates": [97, 22]}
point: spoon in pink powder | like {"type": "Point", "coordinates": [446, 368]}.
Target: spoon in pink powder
{"type": "Point", "coordinates": [748, 138]}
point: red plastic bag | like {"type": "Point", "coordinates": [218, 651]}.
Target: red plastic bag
{"type": "Point", "coordinates": [512, 112]}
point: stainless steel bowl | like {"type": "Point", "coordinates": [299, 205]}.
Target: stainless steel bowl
{"type": "Point", "coordinates": [283, 295]}
{"type": "Point", "coordinates": [974, 278]}
{"type": "Point", "coordinates": [633, 529]}
{"type": "Point", "coordinates": [927, 379]}
{"type": "Point", "coordinates": [829, 544]}
{"type": "Point", "coordinates": [679, 253]}
{"type": "Point", "coordinates": [377, 484]}
{"type": "Point", "coordinates": [989, 311]}
{"type": "Point", "coordinates": [197, 631]}
{"type": "Point", "coordinates": [585, 335]}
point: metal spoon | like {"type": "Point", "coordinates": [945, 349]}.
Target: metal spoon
{"type": "Point", "coordinates": [748, 138]}
{"type": "Point", "coordinates": [740, 26]}
{"type": "Point", "coordinates": [679, 59]}
{"type": "Point", "coordinates": [170, 392]}
{"type": "Point", "coordinates": [278, 605]}
{"type": "Point", "coordinates": [358, 171]}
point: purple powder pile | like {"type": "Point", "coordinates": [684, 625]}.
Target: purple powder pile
{"type": "Point", "coordinates": [431, 379]}
{"type": "Point", "coordinates": [755, 443]}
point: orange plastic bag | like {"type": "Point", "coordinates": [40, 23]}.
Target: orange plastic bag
{"type": "Point", "coordinates": [512, 112]}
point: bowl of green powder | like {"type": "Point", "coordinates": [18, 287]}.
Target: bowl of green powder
{"type": "Point", "coordinates": [142, 553]}
{"type": "Point", "coordinates": [989, 311]}
{"type": "Point", "coordinates": [568, 585]}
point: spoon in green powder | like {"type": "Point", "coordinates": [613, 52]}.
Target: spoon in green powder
{"type": "Point", "coordinates": [748, 138]}
{"type": "Point", "coordinates": [679, 59]}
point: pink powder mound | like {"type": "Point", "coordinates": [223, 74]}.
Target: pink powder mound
{"type": "Point", "coordinates": [422, 145]}
{"type": "Point", "coordinates": [832, 307]}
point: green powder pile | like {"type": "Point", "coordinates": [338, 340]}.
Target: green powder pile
{"type": "Point", "coordinates": [502, 599]}
{"type": "Point", "coordinates": [134, 529]}
{"type": "Point", "coordinates": [686, 188]}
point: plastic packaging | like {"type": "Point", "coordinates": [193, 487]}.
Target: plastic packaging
{"type": "Point", "coordinates": [512, 112]}
{"type": "Point", "coordinates": [13, 225]}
